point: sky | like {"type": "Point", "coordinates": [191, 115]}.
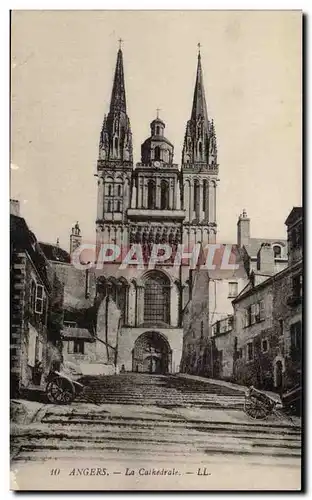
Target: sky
{"type": "Point", "coordinates": [62, 66]}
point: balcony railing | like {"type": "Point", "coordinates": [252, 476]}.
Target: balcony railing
{"type": "Point", "coordinates": [145, 213]}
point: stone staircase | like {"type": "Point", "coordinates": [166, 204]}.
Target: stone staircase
{"type": "Point", "coordinates": [158, 390]}
{"type": "Point", "coordinates": [135, 418]}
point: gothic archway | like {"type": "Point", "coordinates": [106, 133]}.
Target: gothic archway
{"type": "Point", "coordinates": [151, 194]}
{"type": "Point", "coordinates": [164, 195]}
{"type": "Point", "coordinates": [151, 354]}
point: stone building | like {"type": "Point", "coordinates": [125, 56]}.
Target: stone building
{"type": "Point", "coordinates": [155, 202]}
{"type": "Point", "coordinates": [209, 339]}
{"type": "Point", "coordinates": [251, 246]}
{"type": "Point", "coordinates": [36, 309]}
{"type": "Point", "coordinates": [268, 319]}
{"type": "Point", "coordinates": [84, 327]}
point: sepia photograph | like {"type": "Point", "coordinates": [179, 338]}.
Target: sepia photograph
{"type": "Point", "coordinates": [156, 250]}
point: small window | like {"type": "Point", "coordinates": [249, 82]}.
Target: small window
{"type": "Point", "coordinates": [116, 144]}
{"type": "Point", "coordinates": [39, 299]}
{"type": "Point", "coordinates": [202, 330]}
{"type": "Point", "coordinates": [233, 289]}
{"type": "Point", "coordinates": [250, 353]}
{"type": "Point", "coordinates": [109, 190]}
{"type": "Point", "coordinates": [157, 130]}
{"type": "Point", "coordinates": [277, 251]}
{"type": "Point", "coordinates": [119, 190]}
{"type": "Point", "coordinates": [76, 347]}
{"type": "Point", "coordinates": [281, 327]}
{"type": "Point", "coordinates": [253, 314]}
{"type": "Point", "coordinates": [261, 310]}
{"type": "Point", "coordinates": [264, 345]}
{"type": "Point", "coordinates": [118, 206]}
{"type": "Point", "coordinates": [109, 206]}
{"type": "Point", "coordinates": [79, 347]}
{"type": "Point", "coordinates": [247, 317]}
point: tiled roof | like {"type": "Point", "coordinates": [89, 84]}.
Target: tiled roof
{"type": "Point", "coordinates": [76, 333]}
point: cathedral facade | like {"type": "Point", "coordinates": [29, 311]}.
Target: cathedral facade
{"type": "Point", "coordinates": [153, 202]}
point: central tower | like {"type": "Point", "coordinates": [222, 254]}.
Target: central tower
{"type": "Point", "coordinates": [141, 207]}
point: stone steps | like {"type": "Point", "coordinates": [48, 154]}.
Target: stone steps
{"type": "Point", "coordinates": [86, 435]}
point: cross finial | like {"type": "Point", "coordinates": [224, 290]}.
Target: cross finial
{"type": "Point", "coordinates": [199, 46]}
{"type": "Point", "coordinates": [120, 42]}
{"type": "Point", "coordinates": [157, 111]}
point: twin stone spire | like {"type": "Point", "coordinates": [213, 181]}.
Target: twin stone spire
{"type": "Point", "coordinates": [200, 145]}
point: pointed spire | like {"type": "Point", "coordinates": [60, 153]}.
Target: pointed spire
{"type": "Point", "coordinates": [116, 138]}
{"type": "Point", "coordinates": [200, 144]}
{"type": "Point", "coordinates": [118, 99]}
{"type": "Point", "coordinates": [199, 108]}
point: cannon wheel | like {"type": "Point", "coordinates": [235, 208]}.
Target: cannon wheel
{"type": "Point", "coordinates": [256, 409]}
{"type": "Point", "coordinates": [60, 391]}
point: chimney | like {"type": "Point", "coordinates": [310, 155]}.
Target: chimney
{"type": "Point", "coordinates": [265, 259]}
{"type": "Point", "coordinates": [15, 208]}
{"type": "Point", "coordinates": [243, 229]}
{"type": "Point", "coordinates": [75, 238]}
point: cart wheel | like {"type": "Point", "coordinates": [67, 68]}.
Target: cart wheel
{"type": "Point", "coordinates": [257, 410]}
{"type": "Point", "coordinates": [60, 391]}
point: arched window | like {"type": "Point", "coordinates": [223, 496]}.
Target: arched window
{"type": "Point", "coordinates": [205, 195]}
{"type": "Point", "coordinates": [277, 251]}
{"type": "Point", "coordinates": [200, 149]}
{"type": "Point", "coordinates": [116, 144]}
{"type": "Point", "coordinates": [119, 191]}
{"type": "Point", "coordinates": [109, 207]}
{"type": "Point", "coordinates": [109, 190]}
{"type": "Point", "coordinates": [151, 194]}
{"type": "Point", "coordinates": [157, 153]}
{"type": "Point", "coordinates": [118, 206]}
{"type": "Point", "coordinates": [157, 298]}
{"type": "Point", "coordinates": [157, 130]}
{"type": "Point", "coordinates": [164, 195]}
{"type": "Point", "coordinates": [196, 194]}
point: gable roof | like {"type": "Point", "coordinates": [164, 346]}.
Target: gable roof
{"type": "Point", "coordinates": [70, 333]}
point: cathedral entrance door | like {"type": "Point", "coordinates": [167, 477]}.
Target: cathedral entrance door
{"type": "Point", "coordinates": [151, 354]}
